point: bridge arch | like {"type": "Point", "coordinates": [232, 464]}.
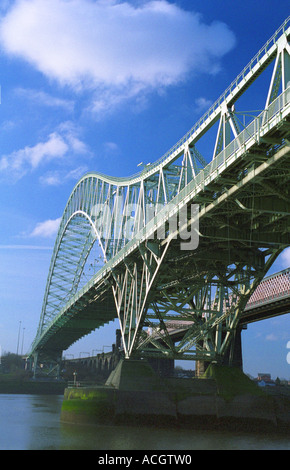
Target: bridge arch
{"type": "Point", "coordinates": [76, 237]}
{"type": "Point", "coordinates": [67, 265]}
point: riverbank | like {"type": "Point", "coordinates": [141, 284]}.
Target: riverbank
{"type": "Point", "coordinates": [11, 384]}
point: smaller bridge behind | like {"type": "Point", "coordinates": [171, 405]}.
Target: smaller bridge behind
{"type": "Point", "coordinates": [271, 298]}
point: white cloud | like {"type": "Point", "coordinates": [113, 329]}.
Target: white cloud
{"type": "Point", "coordinates": [271, 337]}
{"type": "Point", "coordinates": [113, 47]}
{"type": "Point", "coordinates": [71, 133]}
{"type": "Point", "coordinates": [7, 126]}
{"type": "Point", "coordinates": [43, 98]}
{"type": "Point", "coordinates": [56, 178]}
{"type": "Point", "coordinates": [59, 144]}
{"type": "Point", "coordinates": [52, 178]}
{"type": "Point", "coordinates": [77, 173]}
{"type": "Point", "coordinates": [201, 104]}
{"type": "Point", "coordinates": [111, 147]}
{"type": "Point", "coordinates": [46, 229]}
{"type": "Point", "coordinates": [29, 158]}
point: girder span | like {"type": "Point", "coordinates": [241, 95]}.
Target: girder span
{"type": "Point", "coordinates": [242, 197]}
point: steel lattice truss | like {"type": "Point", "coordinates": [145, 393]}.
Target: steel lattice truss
{"type": "Point", "coordinates": [236, 206]}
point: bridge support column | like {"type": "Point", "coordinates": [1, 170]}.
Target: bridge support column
{"type": "Point", "coordinates": [200, 368]}
{"type": "Point", "coordinates": [46, 365]}
{"type": "Point", "coordinates": [232, 358]}
{"type": "Point", "coordinates": [35, 364]}
{"type": "Point", "coordinates": [135, 375]}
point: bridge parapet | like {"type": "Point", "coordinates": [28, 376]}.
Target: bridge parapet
{"type": "Point", "coordinates": [274, 287]}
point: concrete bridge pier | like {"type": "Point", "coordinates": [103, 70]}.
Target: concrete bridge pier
{"type": "Point", "coordinates": [135, 393]}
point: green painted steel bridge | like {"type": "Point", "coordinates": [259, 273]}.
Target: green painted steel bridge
{"type": "Point", "coordinates": [189, 238]}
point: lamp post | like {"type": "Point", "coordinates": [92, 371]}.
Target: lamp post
{"type": "Point", "coordinates": [75, 377]}
{"type": "Point", "coordinates": [100, 350]}
{"type": "Point", "coordinates": [65, 357]}
{"type": "Point", "coordinates": [83, 352]}
{"type": "Point", "coordinates": [22, 341]}
{"type": "Point", "coordinates": [18, 338]}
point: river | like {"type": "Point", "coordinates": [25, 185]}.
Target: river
{"type": "Point", "coordinates": [32, 422]}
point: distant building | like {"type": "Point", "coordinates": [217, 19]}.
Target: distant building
{"type": "Point", "coordinates": [264, 380]}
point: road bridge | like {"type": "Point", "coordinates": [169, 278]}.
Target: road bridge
{"type": "Point", "coordinates": [188, 238]}
{"type": "Point", "coordinates": [271, 298]}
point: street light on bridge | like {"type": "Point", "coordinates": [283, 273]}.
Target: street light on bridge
{"type": "Point", "coordinates": [67, 355]}
{"type": "Point", "coordinates": [23, 331]}
{"type": "Point", "coordinates": [18, 338]}
{"type": "Point", "coordinates": [100, 350]}
{"type": "Point", "coordinates": [88, 354]}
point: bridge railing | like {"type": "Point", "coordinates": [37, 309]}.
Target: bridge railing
{"type": "Point", "coordinates": [80, 384]}
{"type": "Point", "coordinates": [272, 288]}
{"type": "Point", "coordinates": [268, 299]}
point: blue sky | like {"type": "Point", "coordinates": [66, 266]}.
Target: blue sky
{"type": "Point", "coordinates": [102, 85]}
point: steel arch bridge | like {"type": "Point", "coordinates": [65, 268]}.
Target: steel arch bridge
{"type": "Point", "coordinates": [183, 239]}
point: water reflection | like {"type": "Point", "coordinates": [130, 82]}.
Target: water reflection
{"type": "Point", "coordinates": [148, 438]}
{"type": "Point", "coordinates": [33, 423]}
